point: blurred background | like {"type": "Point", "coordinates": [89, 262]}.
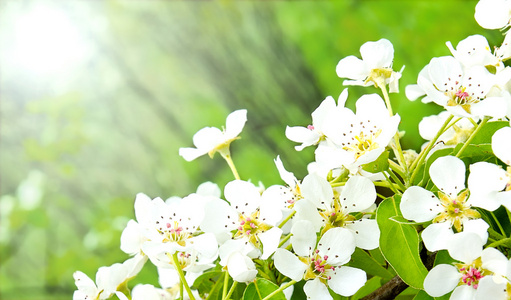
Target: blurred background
{"type": "Point", "coordinates": [97, 98]}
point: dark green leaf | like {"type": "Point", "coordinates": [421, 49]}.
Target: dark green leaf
{"type": "Point", "coordinates": [399, 244]}
{"type": "Point", "coordinates": [362, 260]}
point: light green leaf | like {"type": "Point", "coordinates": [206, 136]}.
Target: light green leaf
{"type": "Point", "coordinates": [379, 165]}
{"type": "Point", "coordinates": [486, 132]}
{"type": "Point", "coordinates": [399, 244]}
{"type": "Point", "coordinates": [261, 288]}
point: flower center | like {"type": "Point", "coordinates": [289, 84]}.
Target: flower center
{"type": "Point", "coordinates": [472, 273]}
{"type": "Point", "coordinates": [251, 226]}
{"type": "Point", "coordinates": [461, 98]}
{"type": "Point", "coordinates": [456, 210]}
{"type": "Point", "coordinates": [363, 143]}
{"type": "Point", "coordinates": [318, 267]}
{"type": "Point", "coordinates": [335, 216]}
{"type": "Point", "coordinates": [184, 259]}
{"type": "Point", "coordinates": [171, 231]}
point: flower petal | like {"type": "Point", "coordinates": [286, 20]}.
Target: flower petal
{"type": "Point", "coordinates": [366, 232]}
{"type": "Point", "coordinates": [437, 236]}
{"type": "Point", "coordinates": [378, 54]}
{"type": "Point", "coordinates": [316, 290]}
{"type": "Point", "coordinates": [352, 67]}
{"type": "Point", "coordinates": [270, 240]}
{"type": "Point", "coordinates": [419, 204]}
{"type": "Point", "coordinates": [358, 194]}
{"type": "Point", "coordinates": [448, 174]}
{"type": "Point", "coordinates": [441, 280]}
{"type": "Point", "coordinates": [289, 264]}
{"type": "Point", "coordinates": [346, 281]}
{"type": "Point", "coordinates": [338, 244]}
{"type": "Point", "coordinates": [501, 144]}
{"type": "Point", "coordinates": [465, 246]}
{"type": "Point", "coordinates": [234, 123]}
{"type": "Point", "coordinates": [303, 237]}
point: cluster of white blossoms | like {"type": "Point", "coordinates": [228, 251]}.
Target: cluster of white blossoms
{"type": "Point", "coordinates": [330, 229]}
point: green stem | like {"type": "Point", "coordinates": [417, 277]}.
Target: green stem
{"type": "Point", "coordinates": [175, 261]}
{"type": "Point", "coordinates": [471, 137]}
{"type": "Point", "coordinates": [226, 284]}
{"type": "Point", "coordinates": [287, 219]}
{"type": "Point", "coordinates": [280, 289]}
{"type": "Point", "coordinates": [422, 156]}
{"type": "Point", "coordinates": [391, 185]}
{"type": "Point", "coordinates": [227, 156]}
{"type": "Point", "coordinates": [498, 223]}
{"type": "Point", "coordinates": [397, 181]}
{"type": "Point", "coordinates": [338, 184]}
{"type": "Point", "coordinates": [398, 151]}
{"type": "Point", "coordinates": [498, 243]}
{"type": "Point", "coordinates": [284, 240]}
{"type": "Point", "coordinates": [396, 168]}
{"type": "Point", "coordinates": [231, 290]}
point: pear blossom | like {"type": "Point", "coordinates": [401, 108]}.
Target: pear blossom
{"type": "Point", "coordinates": [462, 92]}
{"type": "Point", "coordinates": [326, 208]}
{"type": "Point", "coordinates": [453, 208]}
{"type": "Point", "coordinates": [322, 266]}
{"type": "Point", "coordinates": [375, 67]}
{"type": "Point", "coordinates": [285, 195]}
{"type": "Point", "coordinates": [474, 51]}
{"type": "Point", "coordinates": [169, 280]}
{"type": "Point", "coordinates": [498, 285]}
{"type": "Point", "coordinates": [362, 136]}
{"type": "Point", "coordinates": [252, 216]}
{"type": "Point", "coordinates": [323, 119]}
{"type": "Point", "coordinates": [493, 14]}
{"type": "Point", "coordinates": [464, 278]}
{"type": "Point", "coordinates": [211, 139]}
{"type": "Point", "coordinates": [108, 279]}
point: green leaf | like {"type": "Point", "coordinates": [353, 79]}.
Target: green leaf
{"type": "Point", "coordinates": [379, 165]}
{"type": "Point", "coordinates": [422, 295]}
{"type": "Point", "coordinates": [210, 283]}
{"type": "Point", "coordinates": [261, 288]}
{"type": "Point", "coordinates": [371, 285]}
{"type": "Point", "coordinates": [399, 244]}
{"type": "Point", "coordinates": [362, 260]}
{"type": "Point", "coordinates": [486, 132]}
{"type": "Point", "coordinates": [475, 153]}
{"type": "Point", "coordinates": [443, 257]}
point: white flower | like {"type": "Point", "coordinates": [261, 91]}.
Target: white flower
{"type": "Point", "coordinates": [361, 137]}
{"type": "Point", "coordinates": [461, 92]}
{"type": "Point", "coordinates": [375, 67]}
{"type": "Point", "coordinates": [473, 51]}
{"type": "Point", "coordinates": [327, 209]}
{"type": "Point", "coordinates": [323, 119]}
{"type": "Point", "coordinates": [108, 279]}
{"type": "Point", "coordinates": [493, 14]}
{"type": "Point", "coordinates": [211, 139]}
{"type": "Point", "coordinates": [463, 277]}
{"type": "Point", "coordinates": [322, 266]}
{"type": "Point", "coordinates": [285, 195]}
{"type": "Point", "coordinates": [452, 208]}
{"type": "Point", "coordinates": [252, 216]}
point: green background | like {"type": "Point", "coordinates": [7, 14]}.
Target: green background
{"type": "Point", "coordinates": [81, 137]}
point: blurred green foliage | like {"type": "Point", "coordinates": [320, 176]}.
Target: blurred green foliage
{"type": "Point", "coordinates": [78, 143]}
